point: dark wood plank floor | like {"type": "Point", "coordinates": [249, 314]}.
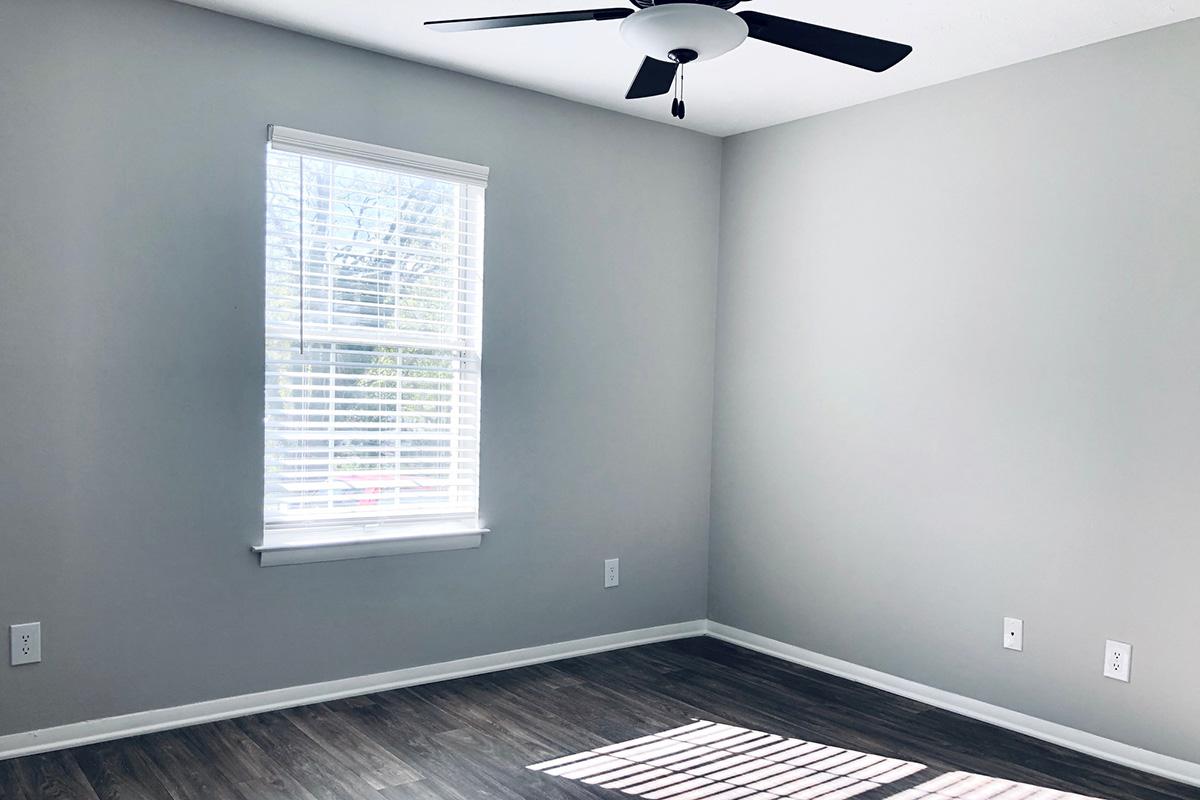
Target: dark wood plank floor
{"type": "Point", "coordinates": [473, 737]}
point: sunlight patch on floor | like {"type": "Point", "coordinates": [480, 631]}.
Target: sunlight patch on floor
{"type": "Point", "coordinates": [968, 786]}
{"type": "Point", "coordinates": [713, 761]}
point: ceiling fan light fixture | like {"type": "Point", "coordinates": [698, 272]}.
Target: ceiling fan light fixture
{"type": "Point", "coordinates": [709, 31]}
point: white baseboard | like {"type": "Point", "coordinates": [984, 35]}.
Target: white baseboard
{"type": "Point", "coordinates": [99, 730]}
{"type": "Point", "coordinates": [1174, 768]}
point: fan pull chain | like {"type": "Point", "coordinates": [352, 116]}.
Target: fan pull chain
{"type": "Point", "coordinates": [682, 110]}
{"type": "Point", "coordinates": [677, 107]}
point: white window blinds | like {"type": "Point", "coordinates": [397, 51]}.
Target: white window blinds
{"type": "Point", "coordinates": [374, 267]}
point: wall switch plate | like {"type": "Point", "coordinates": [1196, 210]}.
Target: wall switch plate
{"type": "Point", "coordinates": [612, 572]}
{"type": "Point", "coordinates": [26, 643]}
{"type": "Point", "coordinates": [1014, 633]}
{"type": "Point", "coordinates": [1117, 658]}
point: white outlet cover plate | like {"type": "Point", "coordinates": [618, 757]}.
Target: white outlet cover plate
{"type": "Point", "coordinates": [26, 643]}
{"type": "Point", "coordinates": [1014, 633]}
{"type": "Point", "coordinates": [612, 572]}
{"type": "Point", "coordinates": [1117, 660]}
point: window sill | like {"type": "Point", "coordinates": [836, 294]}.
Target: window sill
{"type": "Point", "coordinates": [309, 550]}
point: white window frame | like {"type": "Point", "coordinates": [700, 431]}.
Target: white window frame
{"type": "Point", "coordinates": [332, 540]}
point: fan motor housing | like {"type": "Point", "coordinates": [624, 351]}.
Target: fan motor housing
{"type": "Point", "coordinates": [717, 3]}
{"type": "Point", "coordinates": [701, 31]}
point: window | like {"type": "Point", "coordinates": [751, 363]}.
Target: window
{"type": "Point", "coordinates": [374, 267]}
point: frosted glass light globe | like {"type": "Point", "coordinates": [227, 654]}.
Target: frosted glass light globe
{"type": "Point", "coordinates": [710, 31]}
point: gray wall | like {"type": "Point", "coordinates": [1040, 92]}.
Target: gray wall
{"type": "Point", "coordinates": [959, 378]}
{"type": "Point", "coordinates": [131, 343]}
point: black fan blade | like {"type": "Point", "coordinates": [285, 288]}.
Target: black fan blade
{"type": "Point", "coordinates": [517, 20]}
{"type": "Point", "coordinates": [653, 78]}
{"type": "Point", "coordinates": [854, 49]}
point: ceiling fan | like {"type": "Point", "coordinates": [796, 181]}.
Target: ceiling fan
{"type": "Point", "coordinates": [672, 33]}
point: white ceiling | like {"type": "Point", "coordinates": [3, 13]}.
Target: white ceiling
{"type": "Point", "coordinates": [757, 84]}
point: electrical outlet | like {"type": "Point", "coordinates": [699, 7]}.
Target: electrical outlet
{"type": "Point", "coordinates": [26, 643]}
{"type": "Point", "coordinates": [612, 572]}
{"type": "Point", "coordinates": [1014, 633]}
{"type": "Point", "coordinates": [1117, 658]}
